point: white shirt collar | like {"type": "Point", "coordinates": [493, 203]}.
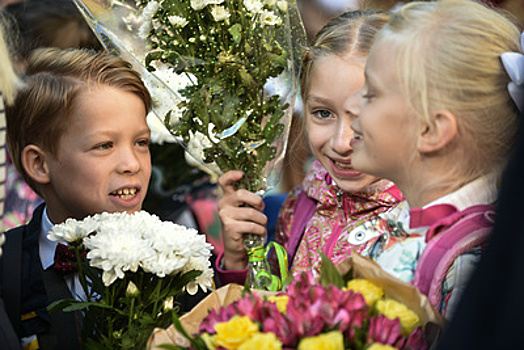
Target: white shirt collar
{"type": "Point", "coordinates": [46, 247]}
{"type": "Point", "coordinates": [483, 190]}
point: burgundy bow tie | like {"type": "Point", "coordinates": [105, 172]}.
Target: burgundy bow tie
{"type": "Point", "coordinates": [65, 259]}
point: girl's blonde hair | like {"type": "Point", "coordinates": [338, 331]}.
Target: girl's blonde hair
{"type": "Point", "coordinates": [447, 55]}
{"type": "Point", "coordinates": [351, 33]}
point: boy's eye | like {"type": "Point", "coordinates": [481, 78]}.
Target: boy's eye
{"type": "Point", "coordinates": [143, 142]}
{"type": "Point", "coordinates": [322, 113]}
{"type": "Point", "coordinates": [105, 145]}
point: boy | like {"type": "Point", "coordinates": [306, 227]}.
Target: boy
{"type": "Point", "coordinates": [77, 134]}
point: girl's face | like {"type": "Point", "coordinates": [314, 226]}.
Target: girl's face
{"type": "Point", "coordinates": [103, 161]}
{"type": "Point", "coordinates": [332, 103]}
{"type": "Point", "coordinates": [386, 132]}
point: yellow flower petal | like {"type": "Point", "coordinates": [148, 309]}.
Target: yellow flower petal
{"type": "Point", "coordinates": [326, 341]}
{"type": "Point", "coordinates": [393, 309]}
{"type": "Point", "coordinates": [370, 291]}
{"type": "Point", "coordinates": [281, 301]}
{"type": "Point", "coordinates": [266, 341]}
{"type": "Point", "coordinates": [235, 332]}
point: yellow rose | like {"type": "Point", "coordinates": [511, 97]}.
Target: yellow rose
{"type": "Point", "coordinates": [326, 341]}
{"type": "Point", "coordinates": [281, 301]}
{"type": "Point", "coordinates": [233, 333]}
{"type": "Point", "coordinates": [369, 290]}
{"type": "Point", "coordinates": [393, 309]}
{"type": "Point", "coordinates": [378, 346]}
{"type": "Point", "coordinates": [266, 341]}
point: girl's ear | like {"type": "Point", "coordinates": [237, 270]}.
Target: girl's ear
{"type": "Point", "coordinates": [439, 133]}
{"type": "Point", "coordinates": [35, 165]}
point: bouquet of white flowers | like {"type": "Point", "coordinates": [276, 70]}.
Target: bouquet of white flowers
{"type": "Point", "coordinates": [135, 266]}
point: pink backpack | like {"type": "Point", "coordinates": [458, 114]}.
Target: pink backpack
{"type": "Point", "coordinates": [448, 239]}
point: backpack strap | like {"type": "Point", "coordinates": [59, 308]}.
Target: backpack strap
{"type": "Point", "coordinates": [463, 231]}
{"type": "Point", "coordinates": [305, 207]}
{"type": "Point", "coordinates": [11, 274]}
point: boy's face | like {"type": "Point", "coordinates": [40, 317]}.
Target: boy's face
{"type": "Point", "coordinates": [103, 161]}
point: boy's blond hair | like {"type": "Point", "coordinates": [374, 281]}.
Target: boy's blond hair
{"type": "Point", "coordinates": [54, 79]}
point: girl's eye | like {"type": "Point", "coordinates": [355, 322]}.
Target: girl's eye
{"type": "Point", "coordinates": [322, 114]}
{"type": "Point", "coordinates": [368, 96]}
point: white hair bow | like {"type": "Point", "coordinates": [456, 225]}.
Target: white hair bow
{"type": "Point", "coordinates": [514, 64]}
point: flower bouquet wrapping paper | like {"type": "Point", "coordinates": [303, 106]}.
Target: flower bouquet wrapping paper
{"type": "Point", "coordinates": [131, 267]}
{"type": "Point", "coordinates": [372, 311]}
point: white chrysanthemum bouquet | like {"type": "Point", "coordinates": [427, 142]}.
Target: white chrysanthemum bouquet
{"type": "Point", "coordinates": [135, 266]}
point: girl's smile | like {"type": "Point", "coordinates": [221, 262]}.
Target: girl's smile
{"type": "Point", "coordinates": [333, 102]}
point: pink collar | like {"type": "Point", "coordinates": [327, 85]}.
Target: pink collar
{"type": "Point", "coordinates": [422, 217]}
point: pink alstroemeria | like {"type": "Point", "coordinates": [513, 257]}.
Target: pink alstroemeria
{"type": "Point", "coordinates": [279, 324]}
{"type": "Point", "coordinates": [385, 331]}
{"type": "Point", "coordinates": [416, 341]}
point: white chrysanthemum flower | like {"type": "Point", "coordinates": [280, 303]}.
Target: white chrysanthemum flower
{"type": "Point", "coordinates": [205, 280]}
{"type": "Point", "coordinates": [220, 13]}
{"type": "Point", "coordinates": [253, 6]}
{"type": "Point", "coordinates": [73, 230]}
{"type": "Point", "coordinates": [144, 30]}
{"type": "Point", "coordinates": [282, 5]}
{"type": "Point", "coordinates": [164, 85]}
{"type": "Point", "coordinates": [195, 155]}
{"type": "Point", "coordinates": [211, 133]}
{"type": "Point", "coordinates": [177, 21]}
{"type": "Point", "coordinates": [173, 246]}
{"type": "Point", "coordinates": [150, 10]}
{"type": "Point", "coordinates": [126, 242]}
{"type": "Point", "coordinates": [198, 5]}
{"type": "Point", "coordinates": [118, 246]}
{"type": "Point", "coordinates": [159, 132]}
{"type": "Point", "coordinates": [269, 18]}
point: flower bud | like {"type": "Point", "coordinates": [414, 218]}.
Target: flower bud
{"type": "Point", "coordinates": [132, 290]}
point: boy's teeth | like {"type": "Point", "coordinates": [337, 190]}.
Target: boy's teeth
{"type": "Point", "coordinates": [126, 193]}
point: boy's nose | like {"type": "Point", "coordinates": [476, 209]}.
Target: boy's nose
{"type": "Point", "coordinates": [128, 162]}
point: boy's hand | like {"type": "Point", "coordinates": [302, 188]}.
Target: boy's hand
{"type": "Point", "coordinates": [240, 213]}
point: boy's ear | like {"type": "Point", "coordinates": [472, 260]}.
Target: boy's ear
{"type": "Point", "coordinates": [35, 165]}
{"type": "Point", "coordinates": [439, 133]}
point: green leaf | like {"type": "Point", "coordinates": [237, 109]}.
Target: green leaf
{"type": "Point", "coordinates": [236, 32]}
{"type": "Point", "coordinates": [329, 273]}
{"type": "Point", "coordinates": [195, 345]}
{"type": "Point", "coordinates": [60, 304]}
{"type": "Point", "coordinates": [169, 347]}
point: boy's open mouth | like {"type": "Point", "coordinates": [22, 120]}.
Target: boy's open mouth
{"type": "Point", "coordinates": [125, 193]}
